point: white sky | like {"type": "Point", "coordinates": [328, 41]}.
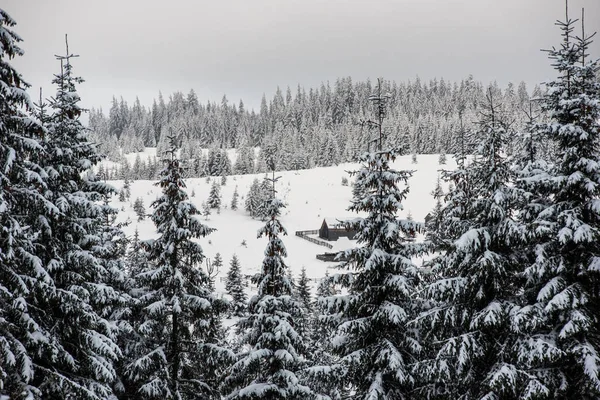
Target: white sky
{"type": "Point", "coordinates": [246, 47]}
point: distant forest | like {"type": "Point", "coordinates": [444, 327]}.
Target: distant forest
{"type": "Point", "coordinates": [320, 127]}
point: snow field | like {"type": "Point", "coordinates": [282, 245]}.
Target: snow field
{"type": "Point", "coordinates": [309, 195]}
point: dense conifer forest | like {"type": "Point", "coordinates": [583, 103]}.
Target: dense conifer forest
{"type": "Point", "coordinates": [495, 295]}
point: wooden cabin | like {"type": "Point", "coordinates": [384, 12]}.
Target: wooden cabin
{"type": "Point", "coordinates": [332, 229]}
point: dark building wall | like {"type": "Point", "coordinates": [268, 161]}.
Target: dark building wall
{"type": "Point", "coordinates": [324, 231]}
{"type": "Point", "coordinates": [334, 234]}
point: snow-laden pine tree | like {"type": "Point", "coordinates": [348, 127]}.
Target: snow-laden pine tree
{"type": "Point", "coordinates": [563, 281]}
{"type": "Point", "coordinates": [257, 199]}
{"type": "Point", "coordinates": [375, 344]}
{"type": "Point", "coordinates": [176, 358]}
{"type": "Point", "coordinates": [22, 275]}
{"type": "Point", "coordinates": [118, 309]}
{"type": "Point", "coordinates": [234, 199]}
{"type": "Point", "coordinates": [140, 210]}
{"type": "Point", "coordinates": [322, 327]}
{"type": "Point", "coordinates": [214, 197]}
{"type": "Point", "coordinates": [264, 196]}
{"type": "Point", "coordinates": [130, 341]}
{"type": "Point", "coordinates": [272, 350]}
{"type": "Point", "coordinates": [252, 201]}
{"type": "Point", "coordinates": [127, 189]}
{"type": "Point", "coordinates": [303, 294]}
{"type": "Point", "coordinates": [79, 360]}
{"type": "Point", "coordinates": [235, 287]}
{"type": "Point", "coordinates": [471, 340]}
{"type": "Point", "coordinates": [206, 210]}
{"type": "Point", "coordinates": [433, 220]}
{"type": "Point", "coordinates": [216, 265]}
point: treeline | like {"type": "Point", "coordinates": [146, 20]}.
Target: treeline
{"type": "Point", "coordinates": [320, 127]}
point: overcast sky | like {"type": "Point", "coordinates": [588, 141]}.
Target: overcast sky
{"type": "Point", "coordinates": [245, 48]}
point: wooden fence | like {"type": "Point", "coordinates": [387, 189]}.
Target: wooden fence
{"type": "Point", "coordinates": [330, 257]}
{"type": "Point", "coordinates": [304, 235]}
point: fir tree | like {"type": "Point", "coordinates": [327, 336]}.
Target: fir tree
{"type": "Point", "coordinates": [80, 361]}
{"type": "Point", "coordinates": [127, 189]}
{"type": "Point", "coordinates": [433, 220]}
{"type": "Point", "coordinates": [23, 278]}
{"type": "Point", "coordinates": [217, 263]}
{"type": "Point", "coordinates": [205, 210]}
{"type": "Point", "coordinates": [177, 358]}
{"type": "Point", "coordinates": [562, 279]}
{"type": "Point", "coordinates": [263, 197]}
{"type": "Point", "coordinates": [137, 257]}
{"type": "Point", "coordinates": [268, 369]}
{"type": "Point", "coordinates": [214, 197]}
{"type": "Point", "coordinates": [475, 291]}
{"type": "Point", "coordinates": [322, 328]}
{"type": "Point", "coordinates": [303, 290]}
{"type": "Point", "coordinates": [305, 321]}
{"type": "Point", "coordinates": [375, 345]}
{"type": "Point", "coordinates": [442, 158]}
{"type": "Point", "coordinates": [118, 309]}
{"type": "Point", "coordinates": [235, 287]}
{"type": "Point", "coordinates": [252, 199]}
{"type": "Point", "coordinates": [234, 199]}
{"type": "Point", "coordinates": [140, 210]}
{"type": "Point", "coordinates": [131, 341]}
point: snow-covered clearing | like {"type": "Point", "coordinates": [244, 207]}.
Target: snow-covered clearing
{"type": "Point", "coordinates": [310, 196]}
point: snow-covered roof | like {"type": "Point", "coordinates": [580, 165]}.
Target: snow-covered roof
{"type": "Point", "coordinates": [331, 222]}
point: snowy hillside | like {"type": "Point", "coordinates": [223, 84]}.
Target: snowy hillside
{"type": "Point", "coordinates": [310, 196]}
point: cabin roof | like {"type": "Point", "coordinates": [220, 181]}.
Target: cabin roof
{"type": "Point", "coordinates": [335, 222]}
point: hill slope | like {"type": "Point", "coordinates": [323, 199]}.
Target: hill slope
{"type": "Point", "coordinates": [310, 195]}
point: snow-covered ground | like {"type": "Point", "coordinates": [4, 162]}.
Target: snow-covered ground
{"type": "Point", "coordinates": [310, 195]}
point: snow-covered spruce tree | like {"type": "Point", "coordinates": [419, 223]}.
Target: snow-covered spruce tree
{"type": "Point", "coordinates": [251, 204]}
{"type": "Point", "coordinates": [136, 257]}
{"type": "Point", "coordinates": [127, 189]}
{"type": "Point", "coordinates": [140, 210]}
{"type": "Point", "coordinates": [471, 341]}
{"type": "Point", "coordinates": [176, 359]}
{"type": "Point", "coordinates": [214, 197]}
{"type": "Point", "coordinates": [272, 348]}
{"type": "Point", "coordinates": [442, 158]}
{"type": "Point", "coordinates": [453, 220]}
{"type": "Point", "coordinates": [375, 345]}
{"type": "Point", "coordinates": [305, 321]}
{"type": "Point", "coordinates": [217, 263]}
{"type": "Point", "coordinates": [303, 290]}
{"type": "Point", "coordinates": [322, 328]}
{"type": "Point", "coordinates": [79, 361]}
{"type": "Point", "coordinates": [206, 210]}
{"type": "Point", "coordinates": [111, 252]}
{"type": "Point", "coordinates": [235, 287]}
{"type": "Point", "coordinates": [22, 275]}
{"type": "Point", "coordinates": [433, 220]}
{"type": "Point", "coordinates": [264, 195]}
{"type": "Point", "coordinates": [563, 281]}
{"type": "Point", "coordinates": [234, 199]}
{"type": "Point", "coordinates": [130, 342]}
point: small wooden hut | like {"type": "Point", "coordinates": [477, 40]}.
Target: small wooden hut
{"type": "Point", "coordinates": [333, 228]}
